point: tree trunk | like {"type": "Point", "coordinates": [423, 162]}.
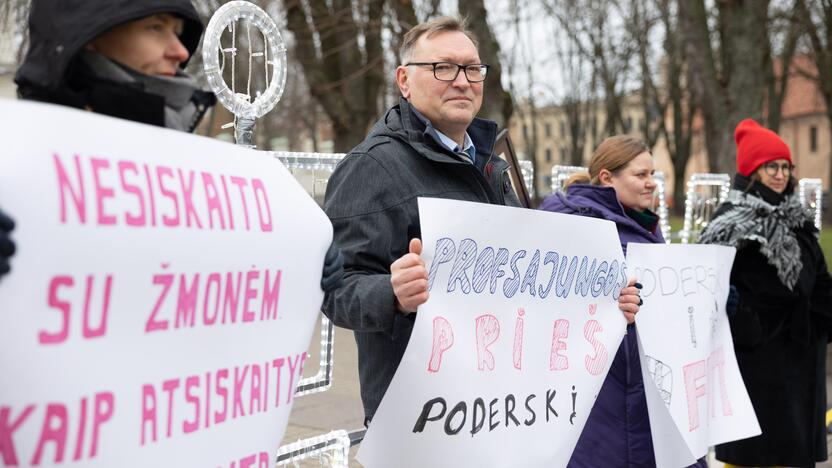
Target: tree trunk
{"type": "Point", "coordinates": [344, 75]}
{"type": "Point", "coordinates": [776, 85]}
{"type": "Point", "coordinates": [820, 36]}
{"type": "Point", "coordinates": [496, 104]}
{"type": "Point", "coordinates": [732, 90]}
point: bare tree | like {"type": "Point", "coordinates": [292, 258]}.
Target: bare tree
{"type": "Point", "coordinates": [785, 31]}
{"type": "Point", "coordinates": [518, 61]}
{"type": "Point", "coordinates": [497, 104]}
{"type": "Point", "coordinates": [680, 101]}
{"type": "Point", "coordinates": [339, 45]}
{"type": "Point", "coordinates": [727, 69]}
{"type": "Point", "coordinates": [643, 18]}
{"type": "Point", "coordinates": [816, 17]}
{"type": "Point", "coordinates": [588, 24]}
{"type": "Point", "coordinates": [578, 102]}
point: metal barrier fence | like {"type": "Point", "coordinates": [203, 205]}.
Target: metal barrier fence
{"type": "Point", "coordinates": [705, 193]}
{"type": "Point", "coordinates": [810, 192]}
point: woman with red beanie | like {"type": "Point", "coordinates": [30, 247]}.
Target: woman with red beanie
{"type": "Point", "coordinates": [782, 315]}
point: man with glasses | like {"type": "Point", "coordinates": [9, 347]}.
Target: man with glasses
{"type": "Point", "coordinates": [429, 145]}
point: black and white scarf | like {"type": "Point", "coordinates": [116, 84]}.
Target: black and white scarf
{"type": "Point", "coordinates": [746, 218]}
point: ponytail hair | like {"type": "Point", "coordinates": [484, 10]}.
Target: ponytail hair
{"type": "Point", "coordinates": [613, 154]}
{"type": "Point", "coordinates": [577, 178]}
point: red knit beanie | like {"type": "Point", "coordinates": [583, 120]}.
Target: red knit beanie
{"type": "Point", "coordinates": [757, 145]}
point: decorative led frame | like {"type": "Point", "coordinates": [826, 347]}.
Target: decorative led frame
{"type": "Point", "coordinates": [332, 448]}
{"type": "Point", "coordinates": [325, 162]}
{"type": "Point", "coordinates": [699, 209]}
{"type": "Point", "coordinates": [241, 104]}
{"type": "Point", "coordinates": [810, 193]}
{"type": "Point", "coordinates": [317, 163]}
{"type": "Point", "coordinates": [660, 204]}
{"type": "Point", "coordinates": [322, 380]}
{"type": "Point", "coordinates": [527, 170]}
{"type": "Point", "coordinates": [309, 161]}
{"type": "Point", "coordinates": [560, 174]}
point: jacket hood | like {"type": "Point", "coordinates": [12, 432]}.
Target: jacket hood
{"type": "Point", "coordinates": [59, 29]}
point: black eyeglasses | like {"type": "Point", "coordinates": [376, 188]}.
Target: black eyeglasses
{"type": "Point", "coordinates": [772, 168]}
{"type": "Point", "coordinates": [448, 71]}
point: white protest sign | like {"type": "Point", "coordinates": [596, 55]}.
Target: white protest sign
{"type": "Point", "coordinates": [510, 350]}
{"type": "Point", "coordinates": [162, 296]}
{"type": "Point", "coordinates": [698, 397]}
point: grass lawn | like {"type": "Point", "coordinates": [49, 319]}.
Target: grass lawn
{"type": "Point", "coordinates": [676, 223]}
{"type": "Point", "coordinates": [826, 244]}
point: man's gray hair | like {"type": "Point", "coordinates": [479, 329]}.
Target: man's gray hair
{"type": "Point", "coordinates": [431, 28]}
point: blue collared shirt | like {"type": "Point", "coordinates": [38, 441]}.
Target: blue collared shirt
{"type": "Point", "coordinates": [468, 144]}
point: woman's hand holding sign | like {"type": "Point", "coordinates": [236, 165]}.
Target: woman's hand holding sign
{"type": "Point", "coordinates": [409, 278]}
{"type": "Point", "coordinates": [629, 300]}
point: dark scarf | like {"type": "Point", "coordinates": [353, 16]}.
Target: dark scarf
{"type": "Point", "coordinates": [113, 89]}
{"type": "Point", "coordinates": [755, 213]}
{"type": "Point", "coordinates": [646, 219]}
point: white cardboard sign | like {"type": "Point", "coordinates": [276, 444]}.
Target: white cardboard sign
{"type": "Point", "coordinates": [510, 350]}
{"type": "Point", "coordinates": [164, 292]}
{"type": "Point", "coordinates": [695, 394]}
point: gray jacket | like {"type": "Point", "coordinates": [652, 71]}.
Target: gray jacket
{"type": "Point", "coordinates": [371, 200]}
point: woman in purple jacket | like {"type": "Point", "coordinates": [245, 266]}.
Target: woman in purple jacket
{"type": "Point", "coordinates": [619, 188]}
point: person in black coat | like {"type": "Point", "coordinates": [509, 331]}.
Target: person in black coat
{"type": "Point", "coordinates": [125, 59]}
{"type": "Point", "coordinates": [122, 58]}
{"type": "Point", "coordinates": [781, 319]}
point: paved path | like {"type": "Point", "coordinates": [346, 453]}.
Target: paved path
{"type": "Point", "coordinates": [340, 406]}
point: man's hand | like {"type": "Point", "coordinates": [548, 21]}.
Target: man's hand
{"type": "Point", "coordinates": [409, 278]}
{"type": "Point", "coordinates": [7, 247]}
{"type": "Point", "coordinates": [629, 300]}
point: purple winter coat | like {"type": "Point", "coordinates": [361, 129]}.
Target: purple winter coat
{"type": "Point", "coordinates": [617, 433]}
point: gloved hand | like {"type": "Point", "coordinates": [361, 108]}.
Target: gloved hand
{"type": "Point", "coordinates": [333, 272]}
{"type": "Point", "coordinates": [733, 301]}
{"type": "Point", "coordinates": [7, 247]}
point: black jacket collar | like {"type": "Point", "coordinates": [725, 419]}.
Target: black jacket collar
{"type": "Point", "coordinates": [401, 123]}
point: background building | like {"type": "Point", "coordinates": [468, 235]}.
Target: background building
{"type": "Point", "coordinates": [804, 126]}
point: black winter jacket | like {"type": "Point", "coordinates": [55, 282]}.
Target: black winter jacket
{"type": "Point", "coordinates": [371, 200]}
{"type": "Point", "coordinates": [780, 338]}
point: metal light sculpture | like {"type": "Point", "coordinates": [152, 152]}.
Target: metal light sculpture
{"type": "Point", "coordinates": [325, 163]}
{"type": "Point", "coordinates": [245, 107]}
{"type": "Point", "coordinates": [330, 449]}
{"type": "Point", "coordinates": [660, 204]}
{"type": "Point", "coordinates": [560, 174]}
{"type": "Point", "coordinates": [528, 174]}
{"type": "Point", "coordinates": [319, 165]}
{"type": "Point", "coordinates": [810, 193]}
{"type": "Point", "coordinates": [705, 193]}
